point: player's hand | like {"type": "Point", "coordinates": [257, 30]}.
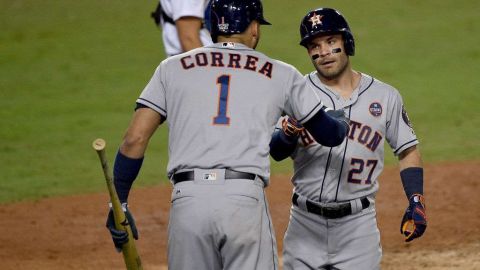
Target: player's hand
{"type": "Point", "coordinates": [414, 222]}
{"type": "Point", "coordinates": [340, 116]}
{"type": "Point", "coordinates": [291, 127]}
{"type": "Point", "coordinates": [120, 237]}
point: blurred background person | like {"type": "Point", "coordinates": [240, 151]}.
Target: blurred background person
{"type": "Point", "coordinates": [183, 24]}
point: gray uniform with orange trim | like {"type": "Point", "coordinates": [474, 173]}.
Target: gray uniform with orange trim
{"type": "Point", "coordinates": [221, 103]}
{"type": "Point", "coordinates": [345, 174]}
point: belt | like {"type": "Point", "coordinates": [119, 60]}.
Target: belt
{"type": "Point", "coordinates": [337, 211]}
{"type": "Point", "coordinates": [229, 174]}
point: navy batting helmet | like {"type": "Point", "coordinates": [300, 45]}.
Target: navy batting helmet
{"type": "Point", "coordinates": [228, 17]}
{"type": "Point", "coordinates": [326, 20]}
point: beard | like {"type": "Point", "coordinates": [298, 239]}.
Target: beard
{"type": "Point", "coordinates": [334, 72]}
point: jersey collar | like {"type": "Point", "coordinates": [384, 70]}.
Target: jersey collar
{"type": "Point", "coordinates": [334, 95]}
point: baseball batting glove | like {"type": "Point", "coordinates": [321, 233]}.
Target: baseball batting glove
{"type": "Point", "coordinates": [120, 237]}
{"type": "Point", "coordinates": [414, 222]}
{"type": "Point", "coordinates": [291, 127]}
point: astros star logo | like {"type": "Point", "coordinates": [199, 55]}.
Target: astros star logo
{"type": "Point", "coordinates": [316, 19]}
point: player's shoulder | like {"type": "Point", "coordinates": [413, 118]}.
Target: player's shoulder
{"type": "Point", "coordinates": [283, 64]}
{"type": "Point", "coordinates": [378, 85]}
{"type": "Point", "coordinates": [176, 58]}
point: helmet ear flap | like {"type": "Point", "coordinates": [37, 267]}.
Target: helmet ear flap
{"type": "Point", "coordinates": [349, 43]}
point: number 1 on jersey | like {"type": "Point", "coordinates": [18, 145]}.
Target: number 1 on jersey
{"type": "Point", "coordinates": [221, 118]}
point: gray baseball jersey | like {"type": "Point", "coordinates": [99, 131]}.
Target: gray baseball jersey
{"type": "Point", "coordinates": [333, 176]}
{"type": "Point", "coordinates": [350, 171]}
{"type": "Point", "coordinates": [221, 103]}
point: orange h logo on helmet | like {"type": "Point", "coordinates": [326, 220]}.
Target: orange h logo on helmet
{"type": "Point", "coordinates": [316, 19]}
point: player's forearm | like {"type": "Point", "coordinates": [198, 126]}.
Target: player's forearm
{"type": "Point", "coordinates": [129, 157]}
{"type": "Point", "coordinates": [281, 145]}
{"type": "Point", "coordinates": [410, 158]}
{"type": "Point", "coordinates": [326, 130]}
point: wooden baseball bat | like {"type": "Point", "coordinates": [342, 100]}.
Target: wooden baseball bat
{"type": "Point", "coordinates": [130, 254]}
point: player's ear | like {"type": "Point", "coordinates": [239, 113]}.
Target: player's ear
{"type": "Point", "coordinates": [254, 29]}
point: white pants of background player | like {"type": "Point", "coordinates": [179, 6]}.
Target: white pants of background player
{"type": "Point", "coordinates": [348, 243]}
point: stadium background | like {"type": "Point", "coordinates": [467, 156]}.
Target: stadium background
{"type": "Point", "coordinates": [71, 70]}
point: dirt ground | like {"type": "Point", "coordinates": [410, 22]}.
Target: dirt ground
{"type": "Point", "coordinates": [69, 232]}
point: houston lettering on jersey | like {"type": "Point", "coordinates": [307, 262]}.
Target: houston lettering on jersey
{"type": "Point", "coordinates": [359, 132]}
{"type": "Point", "coordinates": [229, 60]}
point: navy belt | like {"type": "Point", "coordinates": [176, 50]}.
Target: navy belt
{"type": "Point", "coordinates": [229, 174]}
{"type": "Point", "coordinates": [337, 211]}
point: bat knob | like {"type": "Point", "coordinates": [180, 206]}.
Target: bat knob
{"type": "Point", "coordinates": [99, 144]}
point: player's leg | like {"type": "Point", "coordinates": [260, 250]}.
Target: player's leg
{"type": "Point", "coordinates": [357, 240]}
{"type": "Point", "coordinates": [190, 243]}
{"type": "Point", "coordinates": [305, 241]}
{"type": "Point", "coordinates": [250, 238]}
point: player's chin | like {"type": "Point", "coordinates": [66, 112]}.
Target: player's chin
{"type": "Point", "coordinates": [328, 72]}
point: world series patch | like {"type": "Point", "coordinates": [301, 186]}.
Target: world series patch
{"type": "Point", "coordinates": [375, 109]}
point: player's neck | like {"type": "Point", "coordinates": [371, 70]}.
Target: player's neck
{"type": "Point", "coordinates": [344, 84]}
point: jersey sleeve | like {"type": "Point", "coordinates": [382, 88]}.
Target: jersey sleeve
{"type": "Point", "coordinates": [301, 100]}
{"type": "Point", "coordinates": [154, 95]}
{"type": "Point", "coordinates": [190, 8]}
{"type": "Point", "coordinates": [400, 134]}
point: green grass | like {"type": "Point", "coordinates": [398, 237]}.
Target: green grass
{"type": "Point", "coordinates": [71, 71]}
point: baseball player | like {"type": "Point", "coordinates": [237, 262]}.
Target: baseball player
{"type": "Point", "coordinates": [183, 24]}
{"type": "Point", "coordinates": [221, 103]}
{"type": "Point", "coordinates": [332, 219]}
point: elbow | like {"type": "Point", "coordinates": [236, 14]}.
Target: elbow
{"type": "Point", "coordinates": [134, 144]}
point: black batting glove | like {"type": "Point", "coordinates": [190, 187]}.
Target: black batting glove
{"type": "Point", "coordinates": [120, 237]}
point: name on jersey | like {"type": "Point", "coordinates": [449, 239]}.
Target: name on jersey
{"type": "Point", "coordinates": [229, 60]}
{"type": "Point", "coordinates": [361, 133]}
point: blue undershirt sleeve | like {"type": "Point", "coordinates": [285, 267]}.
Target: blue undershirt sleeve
{"type": "Point", "coordinates": [326, 130]}
{"type": "Point", "coordinates": [125, 170]}
{"type": "Point", "coordinates": [412, 180]}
